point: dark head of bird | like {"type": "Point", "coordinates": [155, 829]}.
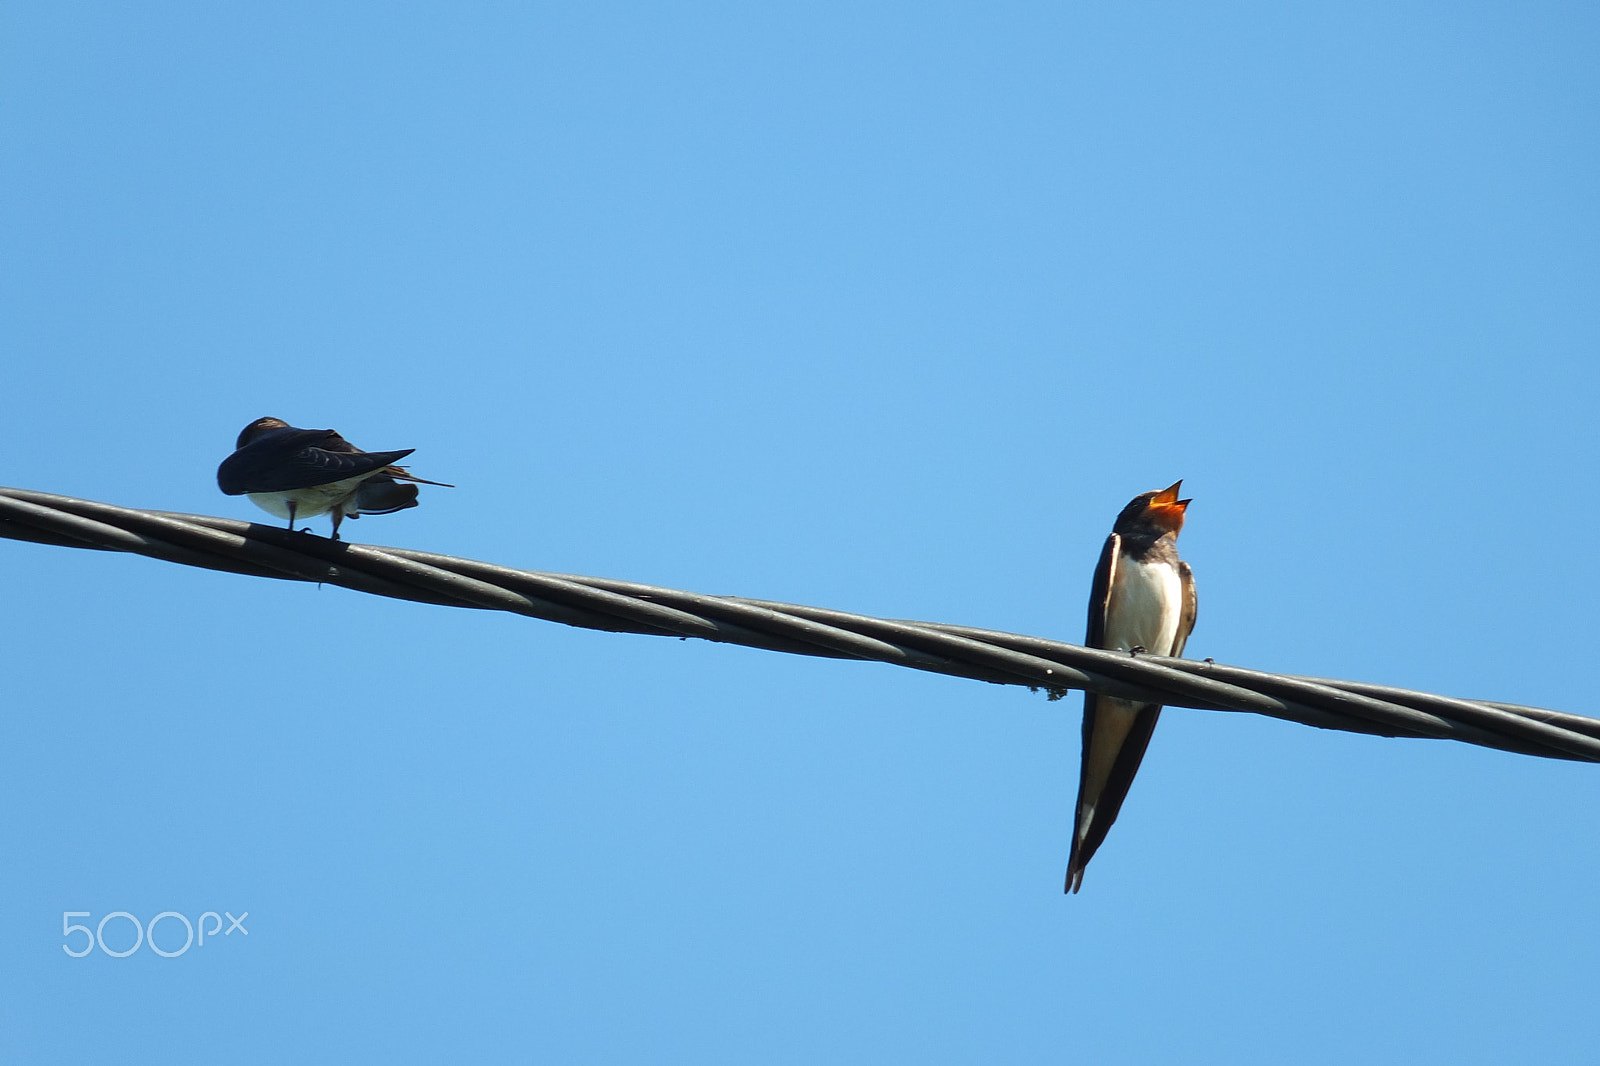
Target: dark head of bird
{"type": "Point", "coordinates": [258, 427]}
{"type": "Point", "coordinates": [1152, 514]}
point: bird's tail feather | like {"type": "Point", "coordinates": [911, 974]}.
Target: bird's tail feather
{"type": "Point", "coordinates": [404, 475]}
{"type": "Point", "coordinates": [380, 495]}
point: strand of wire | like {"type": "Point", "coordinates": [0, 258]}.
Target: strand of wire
{"type": "Point", "coordinates": [628, 607]}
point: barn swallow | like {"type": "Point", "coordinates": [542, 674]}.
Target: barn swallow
{"type": "Point", "coordinates": [1142, 600]}
{"type": "Point", "coordinates": [300, 473]}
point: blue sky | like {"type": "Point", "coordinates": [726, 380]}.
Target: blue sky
{"type": "Point", "coordinates": [882, 307]}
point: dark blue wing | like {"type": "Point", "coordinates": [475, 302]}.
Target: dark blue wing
{"type": "Point", "coordinates": [285, 459]}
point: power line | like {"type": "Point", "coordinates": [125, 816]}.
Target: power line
{"type": "Point", "coordinates": [628, 607]}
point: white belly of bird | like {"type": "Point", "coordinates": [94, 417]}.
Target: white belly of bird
{"type": "Point", "coordinates": [1146, 599]}
{"type": "Point", "coordinates": [308, 502]}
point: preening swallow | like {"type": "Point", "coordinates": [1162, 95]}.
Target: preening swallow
{"type": "Point", "coordinates": [300, 473]}
{"type": "Point", "coordinates": [1142, 600]}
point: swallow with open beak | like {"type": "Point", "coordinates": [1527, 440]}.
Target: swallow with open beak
{"type": "Point", "coordinates": [300, 473]}
{"type": "Point", "coordinates": [1142, 600]}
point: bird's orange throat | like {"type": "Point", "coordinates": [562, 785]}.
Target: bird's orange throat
{"type": "Point", "coordinates": [1166, 510]}
{"type": "Point", "coordinates": [1168, 516]}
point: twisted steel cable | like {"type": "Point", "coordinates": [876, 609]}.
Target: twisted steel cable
{"type": "Point", "coordinates": [628, 607]}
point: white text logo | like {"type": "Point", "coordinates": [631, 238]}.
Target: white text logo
{"type": "Point", "coordinates": [146, 934]}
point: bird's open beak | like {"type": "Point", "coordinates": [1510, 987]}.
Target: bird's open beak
{"type": "Point", "coordinates": [1166, 508]}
